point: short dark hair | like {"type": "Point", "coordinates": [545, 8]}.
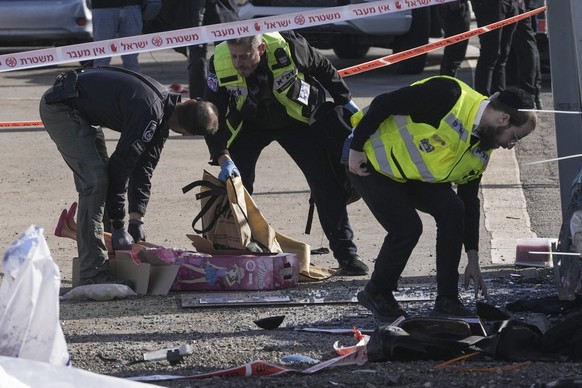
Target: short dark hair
{"type": "Point", "coordinates": [198, 117]}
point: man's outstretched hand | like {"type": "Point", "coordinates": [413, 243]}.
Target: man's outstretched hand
{"type": "Point", "coordinates": [473, 272]}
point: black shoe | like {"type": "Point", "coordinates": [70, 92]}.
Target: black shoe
{"type": "Point", "coordinates": [105, 277]}
{"type": "Point", "coordinates": [352, 266]}
{"type": "Point", "coordinates": [383, 306]}
{"type": "Point", "coordinates": [449, 306]}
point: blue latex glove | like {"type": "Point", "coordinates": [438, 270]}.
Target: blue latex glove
{"type": "Point", "coordinates": [351, 106]}
{"type": "Point", "coordinates": [136, 229]}
{"type": "Point", "coordinates": [346, 149]}
{"type": "Point", "coordinates": [121, 239]}
{"type": "Point", "coordinates": [227, 170]}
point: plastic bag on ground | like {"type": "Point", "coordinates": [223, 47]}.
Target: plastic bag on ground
{"type": "Point", "coordinates": [29, 302]}
{"type": "Point", "coordinates": [100, 292]}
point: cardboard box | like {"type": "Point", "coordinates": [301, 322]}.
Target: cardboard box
{"type": "Point", "coordinates": [149, 273]}
{"type": "Point", "coordinates": [157, 271]}
{"type": "Point", "coordinates": [77, 270]}
{"type": "Point", "coordinates": [237, 272]}
{"type": "Point", "coordinates": [231, 270]}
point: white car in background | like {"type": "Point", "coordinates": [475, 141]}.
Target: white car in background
{"type": "Point", "coordinates": [353, 38]}
{"type": "Point", "coordinates": [44, 22]}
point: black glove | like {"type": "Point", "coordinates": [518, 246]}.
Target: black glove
{"type": "Point", "coordinates": [121, 240]}
{"type": "Point", "coordinates": [137, 230]}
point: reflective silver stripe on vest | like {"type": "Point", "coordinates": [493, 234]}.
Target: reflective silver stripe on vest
{"type": "Point", "coordinates": [413, 151]}
{"type": "Point", "coordinates": [457, 126]}
{"type": "Point", "coordinates": [380, 151]}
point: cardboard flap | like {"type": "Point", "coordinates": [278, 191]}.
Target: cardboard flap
{"type": "Point", "coordinates": [203, 245]}
{"type": "Point", "coordinates": [128, 255]}
{"type": "Point", "coordinates": [161, 279]}
{"type": "Point", "coordinates": [124, 267]}
{"type": "Point", "coordinates": [151, 256]}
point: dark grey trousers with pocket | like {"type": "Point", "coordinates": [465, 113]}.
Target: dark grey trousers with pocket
{"type": "Point", "coordinates": [82, 146]}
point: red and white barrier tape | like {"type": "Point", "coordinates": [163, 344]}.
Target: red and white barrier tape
{"type": "Point", "coordinates": [21, 124]}
{"type": "Point", "coordinates": [367, 66]}
{"type": "Point", "coordinates": [204, 34]}
{"type": "Point", "coordinates": [403, 55]}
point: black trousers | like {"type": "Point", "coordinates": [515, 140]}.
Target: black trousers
{"type": "Point", "coordinates": [395, 205]}
{"type": "Point", "coordinates": [528, 57]}
{"type": "Point", "coordinates": [495, 44]}
{"type": "Point", "coordinates": [302, 146]}
{"type": "Point", "coordinates": [455, 18]}
{"type": "Point", "coordinates": [204, 13]}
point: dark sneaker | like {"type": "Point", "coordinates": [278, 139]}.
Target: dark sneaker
{"type": "Point", "coordinates": [383, 306]}
{"type": "Point", "coordinates": [352, 266]}
{"type": "Point", "coordinates": [449, 306]}
{"type": "Point", "coordinates": [105, 278]}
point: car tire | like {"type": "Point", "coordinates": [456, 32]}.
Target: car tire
{"type": "Point", "coordinates": [348, 47]}
{"type": "Point", "coordinates": [417, 36]}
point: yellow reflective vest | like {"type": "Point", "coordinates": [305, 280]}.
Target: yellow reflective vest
{"type": "Point", "coordinates": [289, 86]}
{"type": "Point", "coordinates": [405, 150]}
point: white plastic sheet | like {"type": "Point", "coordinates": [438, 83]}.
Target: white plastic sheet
{"type": "Point", "coordinates": [29, 302]}
{"type": "Point", "coordinates": [20, 373]}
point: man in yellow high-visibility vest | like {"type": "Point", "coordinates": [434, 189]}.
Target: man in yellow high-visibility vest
{"type": "Point", "coordinates": [407, 150]}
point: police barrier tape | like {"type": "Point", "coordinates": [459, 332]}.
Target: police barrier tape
{"type": "Point", "coordinates": [204, 34]}
{"type": "Point", "coordinates": [403, 55]}
{"type": "Point", "coordinates": [21, 124]}
{"type": "Point", "coordinates": [387, 60]}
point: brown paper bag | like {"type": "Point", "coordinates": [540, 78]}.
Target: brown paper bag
{"type": "Point", "coordinates": [231, 219]}
{"type": "Point", "coordinates": [277, 242]}
{"type": "Point", "coordinates": [222, 213]}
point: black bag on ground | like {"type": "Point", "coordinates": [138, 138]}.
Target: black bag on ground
{"type": "Point", "coordinates": [514, 341]}
{"type": "Point", "coordinates": [425, 341]}
{"type": "Point", "coordinates": [565, 338]}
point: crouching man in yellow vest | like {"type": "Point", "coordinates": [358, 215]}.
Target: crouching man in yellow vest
{"type": "Point", "coordinates": [406, 152]}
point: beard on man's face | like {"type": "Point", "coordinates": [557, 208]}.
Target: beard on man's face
{"type": "Point", "coordinates": [488, 136]}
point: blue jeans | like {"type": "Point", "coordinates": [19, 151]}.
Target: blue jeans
{"type": "Point", "coordinates": [111, 23]}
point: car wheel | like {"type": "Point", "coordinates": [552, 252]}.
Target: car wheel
{"type": "Point", "coordinates": [348, 47]}
{"type": "Point", "coordinates": [416, 36]}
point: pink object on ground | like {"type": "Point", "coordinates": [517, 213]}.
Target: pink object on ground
{"type": "Point", "coordinates": [61, 223]}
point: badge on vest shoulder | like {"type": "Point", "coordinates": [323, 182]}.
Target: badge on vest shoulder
{"type": "Point", "coordinates": [282, 57]}
{"type": "Point", "coordinates": [150, 131]}
{"type": "Point", "coordinates": [425, 146]}
{"type": "Point", "coordinates": [304, 93]}
{"type": "Point", "coordinates": [212, 82]}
